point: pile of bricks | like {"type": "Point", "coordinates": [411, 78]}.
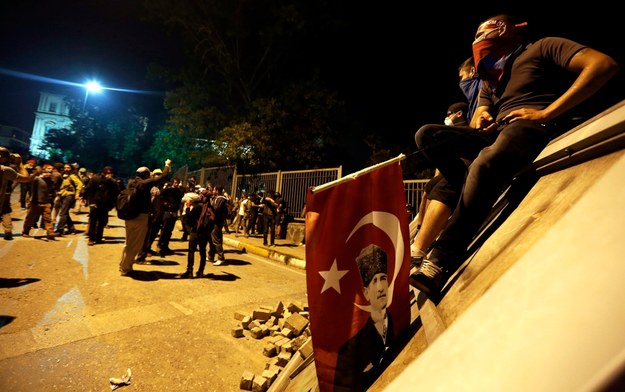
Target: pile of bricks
{"type": "Point", "coordinates": [287, 331]}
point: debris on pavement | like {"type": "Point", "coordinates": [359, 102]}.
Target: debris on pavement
{"type": "Point", "coordinates": [120, 382]}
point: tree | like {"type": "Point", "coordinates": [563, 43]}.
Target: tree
{"type": "Point", "coordinates": [99, 137]}
{"type": "Point", "coordinates": [248, 94]}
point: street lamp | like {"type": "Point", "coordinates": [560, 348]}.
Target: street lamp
{"type": "Point", "coordinates": [90, 87]}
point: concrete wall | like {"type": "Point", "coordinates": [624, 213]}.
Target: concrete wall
{"type": "Point", "coordinates": [539, 306]}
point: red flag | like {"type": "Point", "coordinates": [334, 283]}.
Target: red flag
{"type": "Point", "coordinates": [344, 223]}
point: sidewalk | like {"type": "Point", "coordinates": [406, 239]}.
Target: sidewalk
{"type": "Point", "coordinates": [285, 251]}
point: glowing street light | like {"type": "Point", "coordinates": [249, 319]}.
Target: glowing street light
{"type": "Point", "coordinates": [91, 86]}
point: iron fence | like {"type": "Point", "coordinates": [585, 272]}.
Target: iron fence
{"type": "Point", "coordinates": [292, 185]}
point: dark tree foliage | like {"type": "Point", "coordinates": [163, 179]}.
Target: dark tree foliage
{"type": "Point", "coordinates": [99, 138]}
{"type": "Point", "coordinates": [248, 93]}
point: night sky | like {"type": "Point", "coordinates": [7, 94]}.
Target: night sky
{"type": "Point", "coordinates": [396, 67]}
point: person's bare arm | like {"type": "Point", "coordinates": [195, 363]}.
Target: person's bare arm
{"type": "Point", "coordinates": [594, 69]}
{"type": "Point", "coordinates": [22, 173]}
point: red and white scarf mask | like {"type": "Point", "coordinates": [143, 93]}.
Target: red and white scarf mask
{"type": "Point", "coordinates": [491, 50]}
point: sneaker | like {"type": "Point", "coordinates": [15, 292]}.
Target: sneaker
{"type": "Point", "coordinates": [219, 262]}
{"type": "Point", "coordinates": [25, 235]}
{"type": "Point", "coordinates": [415, 263]}
{"type": "Point", "coordinates": [165, 252]}
{"type": "Point", "coordinates": [429, 279]}
{"type": "Point", "coordinates": [126, 273]}
{"type": "Point", "coordinates": [187, 275]}
{"type": "Point", "coordinates": [8, 236]}
{"type": "Point", "coordinates": [91, 243]}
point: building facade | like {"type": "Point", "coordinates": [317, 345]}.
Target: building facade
{"type": "Point", "coordinates": [52, 113]}
{"type": "Point", "coordinates": [15, 139]}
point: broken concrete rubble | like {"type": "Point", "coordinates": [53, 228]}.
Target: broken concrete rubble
{"type": "Point", "coordinates": [287, 331]}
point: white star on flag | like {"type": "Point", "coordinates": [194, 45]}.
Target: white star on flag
{"type": "Point", "coordinates": [332, 277]}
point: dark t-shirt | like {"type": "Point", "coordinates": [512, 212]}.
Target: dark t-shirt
{"type": "Point", "coordinates": [538, 77]}
{"type": "Point", "coordinates": [101, 191]}
{"type": "Point", "coordinates": [171, 198]}
{"type": "Point", "coordinates": [143, 191]}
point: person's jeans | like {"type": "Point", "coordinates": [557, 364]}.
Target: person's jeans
{"type": "Point", "coordinates": [167, 228]}
{"type": "Point", "coordinates": [495, 160]}
{"type": "Point", "coordinates": [269, 228]}
{"type": "Point", "coordinates": [67, 203]}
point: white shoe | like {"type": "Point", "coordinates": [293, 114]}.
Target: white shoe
{"type": "Point", "coordinates": [218, 262]}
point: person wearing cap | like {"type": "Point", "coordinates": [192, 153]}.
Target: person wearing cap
{"type": "Point", "coordinates": [137, 228]}
{"type": "Point", "coordinates": [438, 199]}
{"type": "Point", "coordinates": [25, 187]}
{"type": "Point", "coordinates": [171, 202]}
{"type": "Point", "coordinates": [12, 170]}
{"type": "Point", "coordinates": [84, 175]}
{"type": "Point", "coordinates": [71, 188]}
{"type": "Point", "coordinates": [43, 190]}
{"type": "Point", "coordinates": [528, 95]}
{"type": "Point", "coordinates": [155, 219]}
{"type": "Point", "coordinates": [360, 359]}
{"type": "Point", "coordinates": [198, 218]}
{"type": "Point", "coordinates": [100, 194]}
{"type": "Point", "coordinates": [216, 244]}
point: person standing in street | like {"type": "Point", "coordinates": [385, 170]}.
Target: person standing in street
{"type": "Point", "coordinates": [71, 187]}
{"type": "Point", "coordinates": [43, 191]}
{"type": "Point", "coordinates": [170, 202]}
{"type": "Point", "coordinates": [220, 206]}
{"type": "Point", "coordinates": [270, 210]}
{"type": "Point", "coordinates": [25, 187]}
{"type": "Point", "coordinates": [100, 194]}
{"type": "Point", "coordinates": [137, 228]}
{"type": "Point", "coordinates": [9, 175]}
{"type": "Point", "coordinates": [199, 219]}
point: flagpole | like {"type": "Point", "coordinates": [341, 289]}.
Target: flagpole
{"type": "Point", "coordinates": [355, 175]}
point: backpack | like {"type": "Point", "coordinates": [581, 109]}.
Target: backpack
{"type": "Point", "coordinates": [269, 208]}
{"type": "Point", "coordinates": [221, 208]}
{"type": "Point", "coordinates": [207, 217]}
{"type": "Point", "coordinates": [127, 202]}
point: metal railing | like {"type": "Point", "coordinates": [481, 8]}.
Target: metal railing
{"type": "Point", "coordinates": [414, 194]}
{"type": "Point", "coordinates": [292, 185]}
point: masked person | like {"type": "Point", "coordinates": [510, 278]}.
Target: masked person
{"type": "Point", "coordinates": [522, 105]}
{"type": "Point", "coordinates": [439, 199]}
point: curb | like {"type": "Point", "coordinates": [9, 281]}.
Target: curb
{"type": "Point", "coordinates": [268, 253]}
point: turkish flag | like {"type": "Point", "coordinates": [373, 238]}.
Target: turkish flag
{"type": "Point", "coordinates": [344, 220]}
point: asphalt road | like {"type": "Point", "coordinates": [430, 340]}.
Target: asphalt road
{"type": "Point", "coordinates": [69, 321]}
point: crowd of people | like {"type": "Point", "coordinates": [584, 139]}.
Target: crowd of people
{"type": "Point", "coordinates": [49, 192]}
{"type": "Point", "coordinates": [204, 212]}
{"type": "Point", "coordinates": [519, 95]}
